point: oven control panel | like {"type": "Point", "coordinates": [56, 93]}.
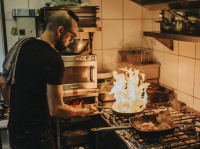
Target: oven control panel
{"type": "Point", "coordinates": [80, 58]}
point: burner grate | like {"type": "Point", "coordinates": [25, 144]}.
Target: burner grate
{"type": "Point", "coordinates": [186, 134]}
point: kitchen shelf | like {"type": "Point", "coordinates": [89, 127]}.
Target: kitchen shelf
{"type": "Point", "coordinates": [167, 38]}
{"type": "Point", "coordinates": [88, 29]}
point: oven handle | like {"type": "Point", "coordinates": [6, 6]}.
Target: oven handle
{"type": "Point", "coordinates": [91, 73]}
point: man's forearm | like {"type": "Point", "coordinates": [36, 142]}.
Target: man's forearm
{"type": "Point", "coordinates": [5, 90]}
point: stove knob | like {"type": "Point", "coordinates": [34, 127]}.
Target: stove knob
{"type": "Point", "coordinates": [88, 58]}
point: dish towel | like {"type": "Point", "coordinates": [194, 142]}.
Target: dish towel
{"type": "Point", "coordinates": [10, 61]}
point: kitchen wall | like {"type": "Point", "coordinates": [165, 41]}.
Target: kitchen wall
{"type": "Point", "coordinates": [122, 23]}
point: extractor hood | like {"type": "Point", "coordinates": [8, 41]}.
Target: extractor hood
{"type": "Point", "coordinates": [172, 4]}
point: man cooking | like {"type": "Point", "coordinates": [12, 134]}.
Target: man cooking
{"type": "Point", "coordinates": [33, 71]}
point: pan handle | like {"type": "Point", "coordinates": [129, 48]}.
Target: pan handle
{"type": "Point", "coordinates": [110, 128]}
{"type": "Point", "coordinates": [102, 107]}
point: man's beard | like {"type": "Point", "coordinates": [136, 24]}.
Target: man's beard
{"type": "Point", "coordinates": [59, 45]}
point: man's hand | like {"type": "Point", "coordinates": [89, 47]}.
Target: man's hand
{"type": "Point", "coordinates": [89, 109]}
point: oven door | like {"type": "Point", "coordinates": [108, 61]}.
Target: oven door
{"type": "Point", "coordinates": [80, 75]}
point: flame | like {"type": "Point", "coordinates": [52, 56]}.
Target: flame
{"type": "Point", "coordinates": [129, 91]}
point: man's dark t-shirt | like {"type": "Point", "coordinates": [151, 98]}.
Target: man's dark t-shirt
{"type": "Point", "coordinates": [38, 64]}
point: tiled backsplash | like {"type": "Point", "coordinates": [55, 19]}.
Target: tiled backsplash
{"type": "Point", "coordinates": [122, 23]}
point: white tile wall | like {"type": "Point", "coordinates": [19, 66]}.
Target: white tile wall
{"type": "Point", "coordinates": [186, 75]}
{"type": "Point", "coordinates": [198, 50]}
{"type": "Point", "coordinates": [187, 49]}
{"type": "Point", "coordinates": [132, 33]}
{"type": "Point", "coordinates": [110, 59]}
{"type": "Point", "coordinates": [175, 49]}
{"type": "Point", "coordinates": [158, 46]}
{"type": "Point", "coordinates": [97, 40]}
{"type": "Point", "coordinates": [111, 9]}
{"type": "Point", "coordinates": [146, 14]}
{"type": "Point", "coordinates": [11, 39]}
{"type": "Point", "coordinates": [112, 34]}
{"type": "Point", "coordinates": [132, 10]}
{"type": "Point", "coordinates": [159, 58]}
{"type": "Point", "coordinates": [12, 4]}
{"type": "Point", "coordinates": [197, 104]}
{"type": "Point", "coordinates": [36, 4]}
{"type": "Point", "coordinates": [197, 80]}
{"type": "Point", "coordinates": [171, 70]}
{"type": "Point", "coordinates": [185, 98]}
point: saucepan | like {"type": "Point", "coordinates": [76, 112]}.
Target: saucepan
{"type": "Point", "coordinates": [123, 114]}
{"type": "Point", "coordinates": [146, 125]}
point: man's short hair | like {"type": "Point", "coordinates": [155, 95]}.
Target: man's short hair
{"type": "Point", "coordinates": [61, 18]}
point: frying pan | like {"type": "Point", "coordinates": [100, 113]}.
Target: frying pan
{"type": "Point", "coordinates": [164, 124]}
{"type": "Point", "coordinates": [122, 114]}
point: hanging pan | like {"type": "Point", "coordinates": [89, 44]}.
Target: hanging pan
{"type": "Point", "coordinates": [147, 125]}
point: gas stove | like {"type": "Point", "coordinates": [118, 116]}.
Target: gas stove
{"type": "Point", "coordinates": [186, 134]}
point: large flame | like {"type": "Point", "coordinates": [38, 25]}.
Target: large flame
{"type": "Point", "coordinates": [129, 91]}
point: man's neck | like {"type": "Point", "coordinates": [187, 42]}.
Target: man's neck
{"type": "Point", "coordinates": [48, 37]}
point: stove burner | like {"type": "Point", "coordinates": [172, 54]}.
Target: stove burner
{"type": "Point", "coordinates": [186, 134]}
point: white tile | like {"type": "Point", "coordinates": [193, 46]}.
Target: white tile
{"type": "Point", "coordinates": [170, 70]}
{"type": "Point", "coordinates": [175, 48]}
{"type": "Point", "coordinates": [186, 75]}
{"type": "Point", "coordinates": [11, 39]}
{"type": "Point", "coordinates": [112, 34]}
{"type": "Point", "coordinates": [187, 49]}
{"type": "Point", "coordinates": [13, 4]}
{"type": "Point", "coordinates": [188, 100]}
{"type": "Point", "coordinates": [132, 33]}
{"type": "Point", "coordinates": [96, 3]}
{"type": "Point", "coordinates": [97, 40]}
{"type": "Point", "coordinates": [36, 4]}
{"type": "Point", "coordinates": [198, 50]}
{"type": "Point", "coordinates": [197, 80]}
{"type": "Point", "coordinates": [110, 59]}
{"type": "Point", "coordinates": [146, 14]}
{"type": "Point", "coordinates": [147, 25]}
{"type": "Point", "coordinates": [158, 46]}
{"type": "Point", "coordinates": [99, 54]}
{"type": "Point", "coordinates": [132, 10]}
{"type": "Point", "coordinates": [175, 93]}
{"type": "Point", "coordinates": [155, 14]}
{"type": "Point", "coordinates": [111, 9]}
{"type": "Point", "coordinates": [196, 104]}
{"type": "Point", "coordinates": [84, 35]}
{"type": "Point", "coordinates": [158, 57]}
{"type": "Point", "coordinates": [147, 42]}
{"type": "Point", "coordinates": [156, 26]}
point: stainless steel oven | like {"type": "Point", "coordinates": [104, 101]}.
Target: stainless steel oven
{"type": "Point", "coordinates": [80, 72]}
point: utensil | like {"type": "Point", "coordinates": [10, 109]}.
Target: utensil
{"type": "Point", "coordinates": [77, 46]}
{"type": "Point", "coordinates": [123, 114]}
{"type": "Point", "coordinates": [164, 124]}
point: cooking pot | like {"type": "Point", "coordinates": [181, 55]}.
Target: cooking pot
{"type": "Point", "coordinates": [163, 124]}
{"type": "Point", "coordinates": [77, 46]}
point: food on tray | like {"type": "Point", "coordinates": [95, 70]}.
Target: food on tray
{"type": "Point", "coordinates": [149, 127]}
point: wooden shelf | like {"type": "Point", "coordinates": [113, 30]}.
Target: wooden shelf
{"type": "Point", "coordinates": [88, 29]}
{"type": "Point", "coordinates": [167, 38]}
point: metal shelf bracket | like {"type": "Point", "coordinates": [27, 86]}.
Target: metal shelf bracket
{"type": "Point", "coordinates": [167, 42]}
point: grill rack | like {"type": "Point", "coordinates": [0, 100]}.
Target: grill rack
{"type": "Point", "coordinates": [186, 134]}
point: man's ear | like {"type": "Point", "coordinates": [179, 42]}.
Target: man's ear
{"type": "Point", "coordinates": [59, 30]}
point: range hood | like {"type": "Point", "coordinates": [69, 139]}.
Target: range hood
{"type": "Point", "coordinates": [172, 4]}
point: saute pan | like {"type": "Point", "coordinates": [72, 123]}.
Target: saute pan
{"type": "Point", "coordinates": [164, 125]}
{"type": "Point", "coordinates": [123, 114]}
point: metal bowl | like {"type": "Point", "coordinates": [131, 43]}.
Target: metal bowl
{"type": "Point", "coordinates": [77, 46]}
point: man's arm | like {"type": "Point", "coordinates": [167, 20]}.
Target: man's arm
{"type": "Point", "coordinates": [58, 108]}
{"type": "Point", "coordinates": [5, 90]}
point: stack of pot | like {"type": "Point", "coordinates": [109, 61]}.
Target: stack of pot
{"type": "Point", "coordinates": [181, 22]}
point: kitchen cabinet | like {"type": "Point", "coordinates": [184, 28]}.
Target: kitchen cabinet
{"type": "Point", "coordinates": [167, 38]}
